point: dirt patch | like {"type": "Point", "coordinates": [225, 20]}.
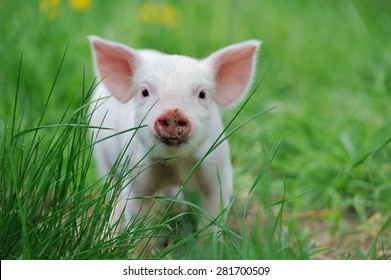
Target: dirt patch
{"type": "Point", "coordinates": [352, 240]}
{"type": "Point", "coordinates": [335, 234]}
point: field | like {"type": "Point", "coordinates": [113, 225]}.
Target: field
{"type": "Point", "coordinates": [312, 174]}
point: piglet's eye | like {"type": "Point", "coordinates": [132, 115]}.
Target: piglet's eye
{"type": "Point", "coordinates": [144, 93]}
{"type": "Point", "coordinates": [202, 94]}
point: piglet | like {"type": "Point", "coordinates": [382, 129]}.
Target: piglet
{"type": "Point", "coordinates": [176, 101]}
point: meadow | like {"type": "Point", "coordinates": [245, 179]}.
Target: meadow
{"type": "Point", "coordinates": [312, 173]}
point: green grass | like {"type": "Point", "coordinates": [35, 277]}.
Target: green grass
{"type": "Point", "coordinates": [325, 149]}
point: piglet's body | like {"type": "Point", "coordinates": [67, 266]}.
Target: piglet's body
{"type": "Point", "coordinates": [177, 98]}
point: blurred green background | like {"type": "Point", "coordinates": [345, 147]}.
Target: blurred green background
{"type": "Point", "coordinates": [328, 71]}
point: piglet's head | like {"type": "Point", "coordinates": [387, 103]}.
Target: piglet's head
{"type": "Point", "coordinates": [176, 96]}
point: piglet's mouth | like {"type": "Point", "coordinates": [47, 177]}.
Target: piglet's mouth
{"type": "Point", "coordinates": [174, 142]}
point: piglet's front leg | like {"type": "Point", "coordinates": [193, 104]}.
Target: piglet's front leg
{"type": "Point", "coordinates": [215, 183]}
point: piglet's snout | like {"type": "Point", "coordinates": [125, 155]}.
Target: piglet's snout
{"type": "Point", "coordinates": [172, 126]}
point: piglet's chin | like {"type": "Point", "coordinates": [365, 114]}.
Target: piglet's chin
{"type": "Point", "coordinates": [174, 142]}
{"type": "Point", "coordinates": [173, 147]}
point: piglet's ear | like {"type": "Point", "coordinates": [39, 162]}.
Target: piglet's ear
{"type": "Point", "coordinates": [234, 68]}
{"type": "Point", "coordinates": [115, 65]}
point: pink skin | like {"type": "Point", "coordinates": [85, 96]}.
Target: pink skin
{"type": "Point", "coordinates": [177, 98]}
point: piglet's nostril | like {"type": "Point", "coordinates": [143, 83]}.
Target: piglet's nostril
{"type": "Point", "coordinates": [163, 123]}
{"type": "Point", "coordinates": [182, 123]}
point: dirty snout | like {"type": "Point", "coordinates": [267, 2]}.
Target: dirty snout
{"type": "Point", "coordinates": [173, 127]}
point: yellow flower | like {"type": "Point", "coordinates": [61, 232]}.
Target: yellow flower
{"type": "Point", "coordinates": [148, 13]}
{"type": "Point", "coordinates": [167, 15]}
{"type": "Point", "coordinates": [80, 5]}
{"type": "Point", "coordinates": [49, 7]}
